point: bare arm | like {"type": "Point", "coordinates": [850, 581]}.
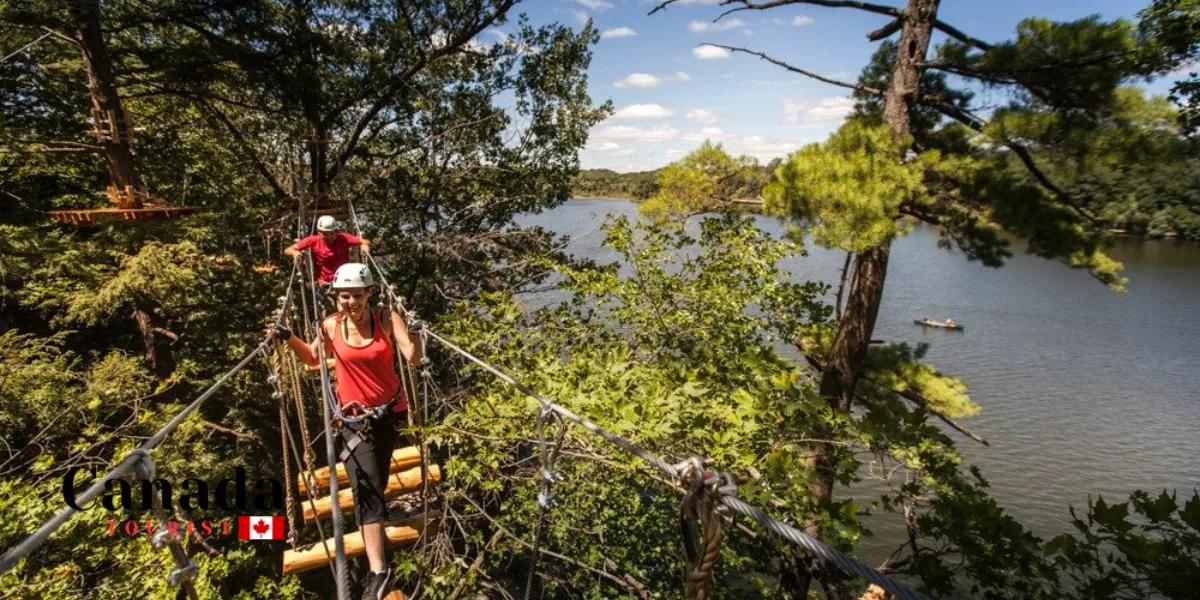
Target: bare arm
{"type": "Point", "coordinates": [406, 341]}
{"type": "Point", "coordinates": [364, 245]}
{"type": "Point", "coordinates": [309, 352]}
{"type": "Point", "coordinates": [292, 251]}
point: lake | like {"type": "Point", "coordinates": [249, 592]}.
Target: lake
{"type": "Point", "coordinates": [1084, 391]}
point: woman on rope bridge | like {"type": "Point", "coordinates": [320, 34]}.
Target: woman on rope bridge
{"type": "Point", "coordinates": [330, 248]}
{"type": "Point", "coordinates": [362, 341]}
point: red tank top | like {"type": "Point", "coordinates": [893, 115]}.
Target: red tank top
{"type": "Point", "coordinates": [368, 374]}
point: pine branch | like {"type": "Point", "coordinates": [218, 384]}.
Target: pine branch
{"type": "Point", "coordinates": [958, 114]}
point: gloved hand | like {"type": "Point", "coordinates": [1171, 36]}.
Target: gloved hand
{"type": "Point", "coordinates": [279, 331]}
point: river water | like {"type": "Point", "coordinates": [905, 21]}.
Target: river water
{"type": "Point", "coordinates": [1083, 391]}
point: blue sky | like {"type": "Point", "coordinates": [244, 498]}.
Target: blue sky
{"type": "Point", "coordinates": [671, 93]}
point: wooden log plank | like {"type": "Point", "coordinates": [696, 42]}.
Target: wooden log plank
{"type": "Point", "coordinates": [312, 556]}
{"type": "Point", "coordinates": [402, 460]}
{"type": "Point", "coordinates": [404, 482]}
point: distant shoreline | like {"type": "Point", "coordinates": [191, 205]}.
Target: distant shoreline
{"type": "Point", "coordinates": [585, 197]}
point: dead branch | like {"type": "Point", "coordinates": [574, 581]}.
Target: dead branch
{"type": "Point", "coordinates": [221, 429]}
{"type": "Point", "coordinates": [605, 574]}
{"type": "Point", "coordinates": [462, 584]}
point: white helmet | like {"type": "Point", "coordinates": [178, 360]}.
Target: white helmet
{"type": "Point", "coordinates": [352, 275]}
{"type": "Point", "coordinates": [327, 223]}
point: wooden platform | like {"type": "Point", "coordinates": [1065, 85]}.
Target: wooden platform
{"type": "Point", "coordinates": [313, 555]}
{"type": "Point", "coordinates": [96, 216]}
{"type": "Point", "coordinates": [403, 459]}
{"type": "Point", "coordinates": [404, 482]}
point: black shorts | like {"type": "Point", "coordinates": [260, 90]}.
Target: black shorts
{"type": "Point", "coordinates": [368, 464]}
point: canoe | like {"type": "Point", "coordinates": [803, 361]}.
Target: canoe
{"type": "Point", "coordinates": [955, 327]}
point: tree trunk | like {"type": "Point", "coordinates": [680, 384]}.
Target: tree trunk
{"type": "Point", "coordinates": [112, 123]}
{"type": "Point", "coordinates": [158, 350]}
{"type": "Point", "coordinates": [849, 350]}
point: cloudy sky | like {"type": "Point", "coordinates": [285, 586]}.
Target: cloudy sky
{"type": "Point", "coordinates": [672, 92]}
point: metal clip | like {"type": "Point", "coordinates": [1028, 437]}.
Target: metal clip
{"type": "Point", "coordinates": [277, 395]}
{"type": "Point", "coordinates": [551, 475]}
{"type": "Point", "coordinates": [272, 379]}
{"type": "Point", "coordinates": [184, 574]}
{"type": "Point", "coordinates": [145, 466]}
{"type": "Point", "coordinates": [546, 499]}
{"type": "Point", "coordinates": [164, 537]}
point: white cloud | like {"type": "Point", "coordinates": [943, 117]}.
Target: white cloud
{"type": "Point", "coordinates": [681, 76]}
{"type": "Point", "coordinates": [1186, 68]}
{"type": "Point", "coordinates": [707, 52]}
{"type": "Point", "coordinates": [715, 134]}
{"type": "Point", "coordinates": [802, 20]}
{"type": "Point", "coordinates": [675, 154]}
{"type": "Point", "coordinates": [701, 115]}
{"type": "Point", "coordinates": [778, 21]}
{"type": "Point", "coordinates": [762, 148]}
{"type": "Point", "coordinates": [618, 32]}
{"type": "Point", "coordinates": [609, 148]}
{"type": "Point", "coordinates": [702, 26]}
{"type": "Point", "coordinates": [654, 133]}
{"type": "Point", "coordinates": [643, 111]}
{"type": "Point", "coordinates": [748, 31]}
{"type": "Point", "coordinates": [695, 2]}
{"type": "Point", "coordinates": [581, 17]}
{"type": "Point", "coordinates": [642, 80]}
{"type": "Point", "coordinates": [596, 5]}
{"type": "Point", "coordinates": [798, 111]}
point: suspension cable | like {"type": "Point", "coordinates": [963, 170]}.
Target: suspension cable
{"type": "Point", "coordinates": [128, 465]}
{"type": "Point", "coordinates": [343, 570]}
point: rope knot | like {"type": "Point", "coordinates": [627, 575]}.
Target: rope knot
{"type": "Point", "coordinates": [700, 523]}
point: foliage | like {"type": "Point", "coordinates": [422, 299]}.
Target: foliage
{"type": "Point", "coordinates": [604, 183]}
{"type": "Point", "coordinates": [1168, 43]}
{"type": "Point", "coordinates": [707, 179]}
{"type": "Point", "coordinates": [849, 188]}
{"type": "Point", "coordinates": [1151, 552]}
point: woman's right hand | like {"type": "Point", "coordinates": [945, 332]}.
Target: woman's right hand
{"type": "Point", "coordinates": [278, 331]}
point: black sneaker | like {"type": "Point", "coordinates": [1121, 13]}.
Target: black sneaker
{"type": "Point", "coordinates": [375, 585]}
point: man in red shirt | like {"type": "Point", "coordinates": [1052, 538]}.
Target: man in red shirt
{"type": "Point", "coordinates": [330, 248]}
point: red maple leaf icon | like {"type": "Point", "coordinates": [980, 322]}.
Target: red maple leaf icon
{"type": "Point", "coordinates": [261, 527]}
